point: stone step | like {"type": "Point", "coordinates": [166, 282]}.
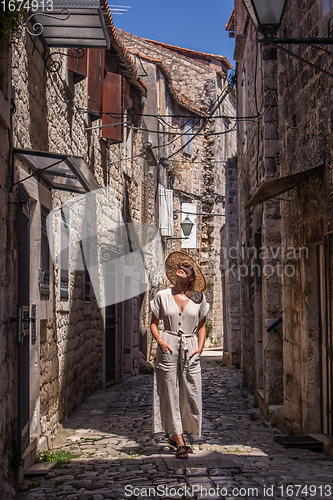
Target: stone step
{"type": "Point", "coordinates": [40, 469]}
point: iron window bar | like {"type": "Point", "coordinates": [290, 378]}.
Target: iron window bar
{"type": "Point", "coordinates": [298, 41]}
{"type": "Point", "coordinates": [191, 213]}
{"type": "Point", "coordinates": [274, 325]}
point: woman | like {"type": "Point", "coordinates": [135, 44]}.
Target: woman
{"type": "Point", "coordinates": [177, 380]}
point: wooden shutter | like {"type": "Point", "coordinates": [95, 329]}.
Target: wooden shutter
{"type": "Point", "coordinates": [95, 81]}
{"type": "Point", "coordinates": [112, 103]}
{"type": "Point", "coordinates": [77, 66]}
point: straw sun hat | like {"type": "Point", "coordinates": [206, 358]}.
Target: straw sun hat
{"type": "Point", "coordinates": [171, 266]}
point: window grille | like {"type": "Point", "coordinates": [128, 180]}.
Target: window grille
{"type": "Point", "coordinates": [87, 282]}
{"type": "Point", "coordinates": [64, 259]}
{"type": "Point", "coordinates": [187, 131]}
{"type": "Point", "coordinates": [44, 271]}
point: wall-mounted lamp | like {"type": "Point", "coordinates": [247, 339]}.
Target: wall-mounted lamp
{"type": "Point", "coordinates": [186, 226]}
{"type": "Point", "coordinates": [266, 16]}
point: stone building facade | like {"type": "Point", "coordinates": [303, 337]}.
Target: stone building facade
{"type": "Point", "coordinates": [229, 269]}
{"type": "Point", "coordinates": [285, 218]}
{"type": "Point", "coordinates": [187, 99]}
{"type": "Point", "coordinates": [8, 290]}
{"type": "Point", "coordinates": [58, 343]}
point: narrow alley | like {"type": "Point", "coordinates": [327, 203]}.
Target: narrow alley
{"type": "Point", "coordinates": [117, 457]}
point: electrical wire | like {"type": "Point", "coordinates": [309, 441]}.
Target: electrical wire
{"type": "Point", "coordinates": [327, 73]}
{"type": "Point", "coordinates": [127, 158]}
{"type": "Point", "coordinates": [309, 107]}
{"type": "Point", "coordinates": [176, 127]}
{"type": "Point", "coordinates": [222, 95]}
{"type": "Point", "coordinates": [217, 100]}
{"type": "Point", "coordinates": [145, 72]}
{"type": "Point", "coordinates": [203, 161]}
{"type": "Point", "coordinates": [216, 105]}
{"type": "Point", "coordinates": [257, 111]}
{"type": "Point", "coordinates": [191, 128]}
{"type": "Point", "coordinates": [185, 133]}
{"type": "Point", "coordinates": [118, 115]}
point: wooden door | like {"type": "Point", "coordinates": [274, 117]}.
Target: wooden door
{"type": "Point", "coordinates": [110, 321]}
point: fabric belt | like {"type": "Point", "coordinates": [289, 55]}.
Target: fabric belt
{"type": "Point", "coordinates": [184, 354]}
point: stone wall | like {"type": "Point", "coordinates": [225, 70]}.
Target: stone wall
{"type": "Point", "coordinates": [70, 333]}
{"type": "Point", "coordinates": [232, 348]}
{"type": "Point", "coordinates": [305, 126]}
{"type": "Point", "coordinates": [292, 136]}
{"type": "Point", "coordinates": [258, 161]}
{"type": "Point", "coordinates": [44, 121]}
{"type": "Point", "coordinates": [8, 293]}
{"type": "Point", "coordinates": [49, 377]}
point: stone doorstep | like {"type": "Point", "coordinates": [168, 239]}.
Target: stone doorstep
{"type": "Point", "coordinates": [327, 442]}
{"type": "Point", "coordinates": [31, 447]}
{"type": "Point", "coordinates": [28, 457]}
{"type": "Point", "coordinates": [40, 469]}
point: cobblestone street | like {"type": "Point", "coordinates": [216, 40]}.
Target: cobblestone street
{"type": "Point", "coordinates": [237, 456]}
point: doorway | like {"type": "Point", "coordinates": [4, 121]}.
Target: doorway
{"type": "Point", "coordinates": [110, 321]}
{"type": "Point", "coordinates": [23, 323]}
{"type": "Point", "coordinates": [325, 272]}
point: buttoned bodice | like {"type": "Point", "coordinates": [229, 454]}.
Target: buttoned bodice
{"type": "Point", "coordinates": [165, 307]}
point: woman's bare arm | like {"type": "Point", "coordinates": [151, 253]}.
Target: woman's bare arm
{"type": "Point", "coordinates": [201, 337]}
{"type": "Point", "coordinates": [154, 330]}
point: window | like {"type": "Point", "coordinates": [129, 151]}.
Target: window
{"type": "Point", "coordinates": [244, 111]}
{"type": "Point", "coordinates": [77, 65]}
{"type": "Point", "coordinates": [226, 138]}
{"type": "Point", "coordinates": [187, 131]}
{"type": "Point", "coordinates": [87, 282]}
{"type": "Point", "coordinates": [128, 146]}
{"type": "Point", "coordinates": [44, 271]}
{"type": "Point", "coordinates": [160, 93]}
{"type": "Point", "coordinates": [64, 257]}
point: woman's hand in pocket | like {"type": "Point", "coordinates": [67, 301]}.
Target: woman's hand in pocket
{"type": "Point", "coordinates": [197, 351]}
{"type": "Point", "coordinates": [164, 346]}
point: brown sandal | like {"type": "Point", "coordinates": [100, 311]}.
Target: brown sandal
{"type": "Point", "coordinates": [181, 452]}
{"type": "Point", "coordinates": [174, 444]}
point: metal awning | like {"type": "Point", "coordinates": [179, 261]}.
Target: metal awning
{"type": "Point", "coordinates": [62, 172]}
{"type": "Point", "coordinates": [273, 188]}
{"type": "Point", "coordinates": [83, 28]}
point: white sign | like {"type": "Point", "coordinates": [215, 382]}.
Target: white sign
{"type": "Point", "coordinates": [189, 210]}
